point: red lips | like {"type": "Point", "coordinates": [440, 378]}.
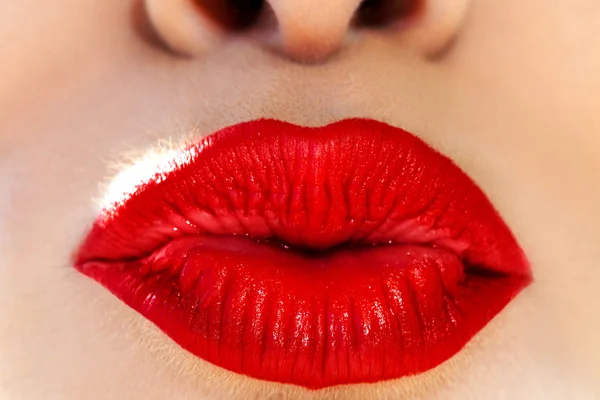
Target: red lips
{"type": "Point", "coordinates": [314, 256]}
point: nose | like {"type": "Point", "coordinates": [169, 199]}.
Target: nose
{"type": "Point", "coordinates": [303, 30]}
{"type": "Point", "coordinates": [312, 30]}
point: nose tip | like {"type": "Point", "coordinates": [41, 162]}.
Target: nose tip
{"type": "Point", "coordinates": [311, 30]}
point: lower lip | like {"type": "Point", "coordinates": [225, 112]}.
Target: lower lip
{"type": "Point", "coordinates": [301, 302]}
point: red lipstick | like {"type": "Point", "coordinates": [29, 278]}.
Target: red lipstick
{"type": "Point", "coordinates": [341, 254]}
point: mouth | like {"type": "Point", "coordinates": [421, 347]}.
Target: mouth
{"type": "Point", "coordinates": [320, 256]}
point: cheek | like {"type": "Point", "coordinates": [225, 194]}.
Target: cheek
{"type": "Point", "coordinates": [61, 335]}
{"type": "Point", "coordinates": [535, 98]}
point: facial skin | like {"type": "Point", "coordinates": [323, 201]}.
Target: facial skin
{"type": "Point", "coordinates": [508, 89]}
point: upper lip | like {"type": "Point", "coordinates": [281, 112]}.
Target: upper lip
{"type": "Point", "coordinates": [354, 183]}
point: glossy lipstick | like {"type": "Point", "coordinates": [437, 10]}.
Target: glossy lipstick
{"type": "Point", "coordinates": [320, 256]}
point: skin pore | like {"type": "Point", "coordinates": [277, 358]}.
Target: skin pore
{"type": "Point", "coordinates": [508, 90]}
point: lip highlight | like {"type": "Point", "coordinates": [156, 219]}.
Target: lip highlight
{"type": "Point", "coordinates": [348, 253]}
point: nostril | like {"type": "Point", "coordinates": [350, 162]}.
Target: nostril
{"type": "Point", "coordinates": [231, 14]}
{"type": "Point", "coordinates": [382, 13]}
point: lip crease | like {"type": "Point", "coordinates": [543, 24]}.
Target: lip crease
{"type": "Point", "coordinates": [348, 253]}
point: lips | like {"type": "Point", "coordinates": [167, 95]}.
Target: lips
{"type": "Point", "coordinates": [341, 254]}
